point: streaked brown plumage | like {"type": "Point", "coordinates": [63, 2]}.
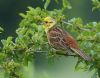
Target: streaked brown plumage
{"type": "Point", "coordinates": [60, 39]}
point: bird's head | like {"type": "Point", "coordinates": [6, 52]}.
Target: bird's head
{"type": "Point", "coordinates": [49, 22]}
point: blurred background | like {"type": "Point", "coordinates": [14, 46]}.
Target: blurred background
{"type": "Point", "coordinates": [62, 67]}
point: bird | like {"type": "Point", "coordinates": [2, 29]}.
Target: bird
{"type": "Point", "coordinates": [62, 40]}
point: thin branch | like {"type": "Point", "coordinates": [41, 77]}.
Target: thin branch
{"type": "Point", "coordinates": [57, 53]}
{"type": "Point", "coordinates": [66, 54]}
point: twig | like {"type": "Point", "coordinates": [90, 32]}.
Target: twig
{"type": "Point", "coordinates": [67, 23]}
{"type": "Point", "coordinates": [66, 54]}
{"type": "Point", "coordinates": [56, 53]}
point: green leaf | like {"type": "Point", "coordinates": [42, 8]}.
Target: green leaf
{"type": "Point", "coordinates": [47, 4]}
{"type": "Point", "coordinates": [96, 4]}
{"type": "Point", "coordinates": [22, 15]}
{"type": "Point", "coordinates": [7, 42]}
{"type": "Point", "coordinates": [1, 29]}
{"type": "Point", "coordinates": [9, 39]}
{"type": "Point", "coordinates": [66, 4]}
{"type": "Point", "coordinates": [56, 1]}
{"type": "Point", "coordinates": [2, 57]}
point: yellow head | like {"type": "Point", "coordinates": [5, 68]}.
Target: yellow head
{"type": "Point", "coordinates": [49, 22]}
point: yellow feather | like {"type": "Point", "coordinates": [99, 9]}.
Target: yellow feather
{"type": "Point", "coordinates": [49, 23]}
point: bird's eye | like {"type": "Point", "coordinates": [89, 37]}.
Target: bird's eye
{"type": "Point", "coordinates": [46, 22]}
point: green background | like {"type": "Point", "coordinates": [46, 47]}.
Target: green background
{"type": "Point", "coordinates": [62, 67]}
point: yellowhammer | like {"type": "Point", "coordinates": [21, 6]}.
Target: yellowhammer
{"type": "Point", "coordinates": [60, 39]}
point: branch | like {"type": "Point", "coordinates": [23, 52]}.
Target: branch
{"type": "Point", "coordinates": [58, 53]}
{"type": "Point", "coordinates": [66, 54]}
{"type": "Point", "coordinates": [53, 52]}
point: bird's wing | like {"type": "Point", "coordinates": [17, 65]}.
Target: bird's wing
{"type": "Point", "coordinates": [64, 40]}
{"type": "Point", "coordinates": [56, 38]}
{"type": "Point", "coordinates": [69, 40]}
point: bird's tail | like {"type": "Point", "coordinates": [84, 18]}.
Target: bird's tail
{"type": "Point", "coordinates": [82, 54]}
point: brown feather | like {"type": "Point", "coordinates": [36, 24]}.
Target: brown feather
{"type": "Point", "coordinates": [60, 39]}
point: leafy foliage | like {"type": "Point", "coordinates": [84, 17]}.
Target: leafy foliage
{"type": "Point", "coordinates": [96, 4]}
{"type": "Point", "coordinates": [1, 29]}
{"type": "Point", "coordinates": [31, 39]}
{"type": "Point", "coordinates": [65, 4]}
